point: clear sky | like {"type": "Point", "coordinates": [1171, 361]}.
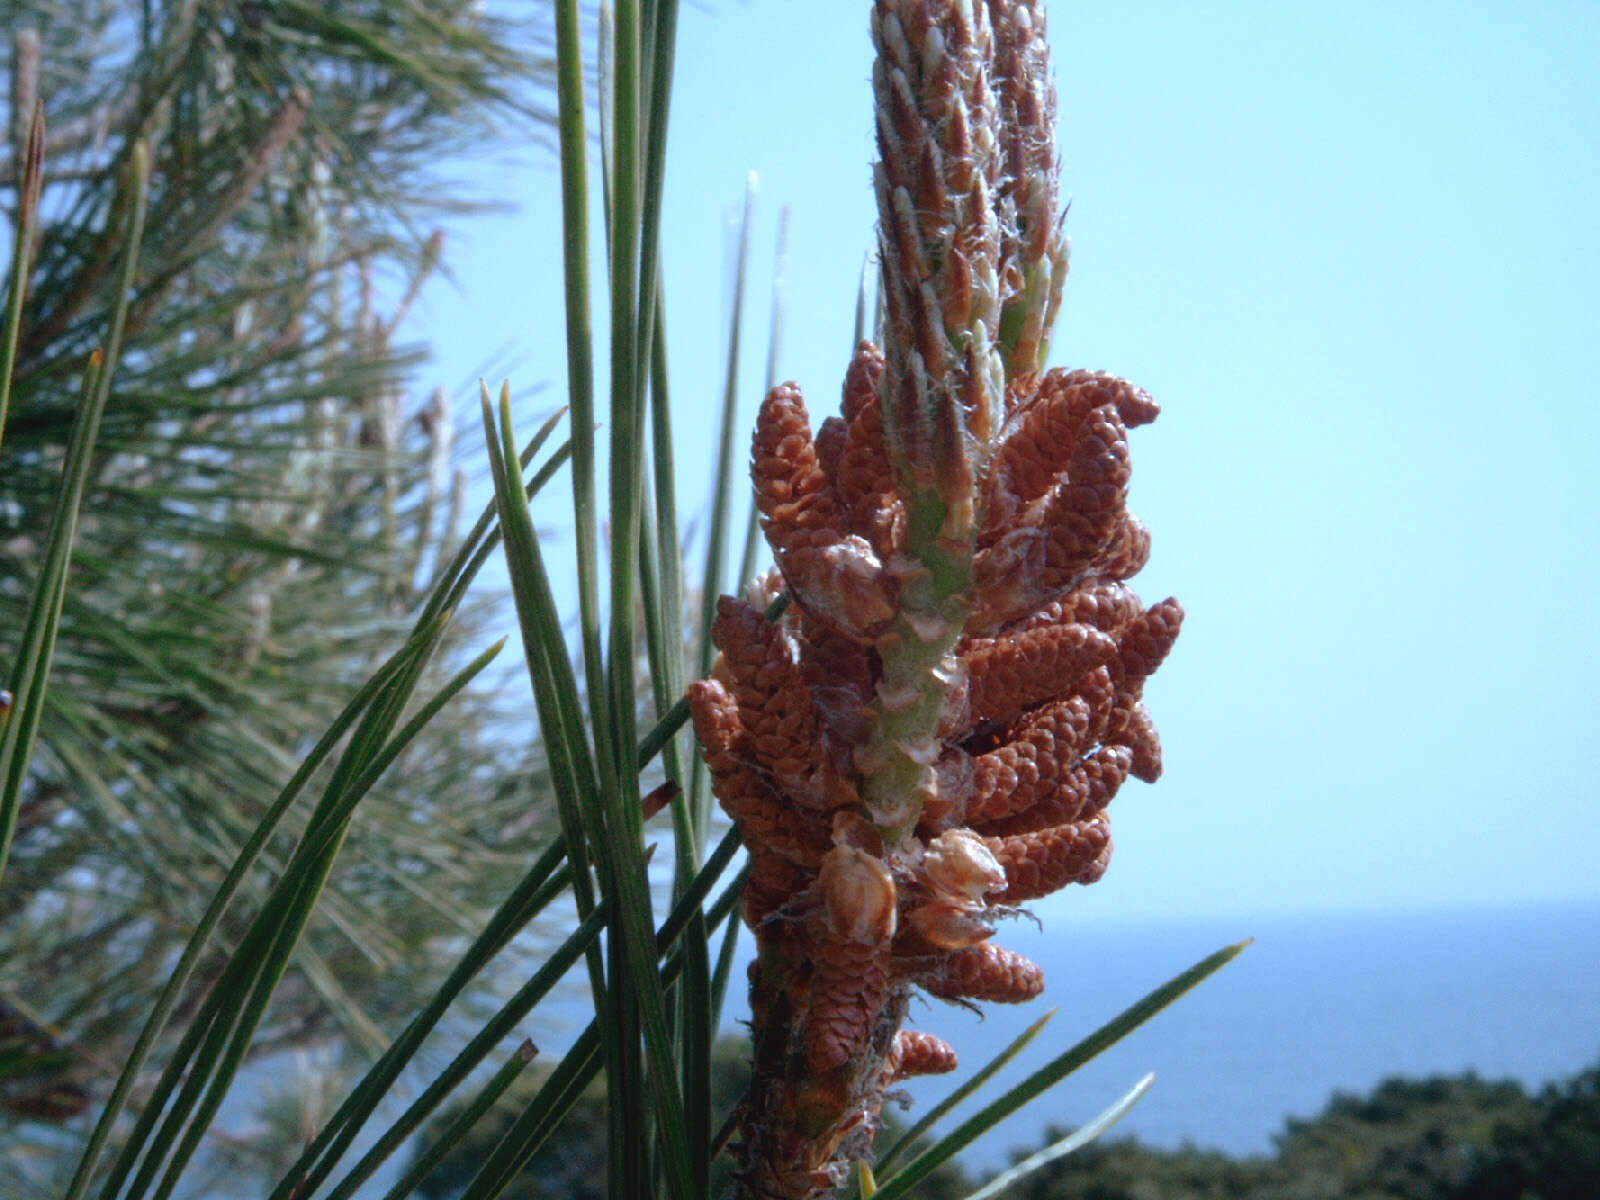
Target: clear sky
{"type": "Point", "coordinates": [1353, 252]}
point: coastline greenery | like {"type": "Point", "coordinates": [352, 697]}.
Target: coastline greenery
{"type": "Point", "coordinates": [1456, 1137]}
{"type": "Point", "coordinates": [1444, 1137]}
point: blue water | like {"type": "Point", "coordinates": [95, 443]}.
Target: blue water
{"type": "Point", "coordinates": [1315, 1004]}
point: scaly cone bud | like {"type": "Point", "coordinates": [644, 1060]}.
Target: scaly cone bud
{"type": "Point", "coordinates": [1034, 253]}
{"type": "Point", "coordinates": [938, 180]}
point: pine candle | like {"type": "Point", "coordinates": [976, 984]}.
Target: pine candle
{"type": "Point", "coordinates": [928, 737]}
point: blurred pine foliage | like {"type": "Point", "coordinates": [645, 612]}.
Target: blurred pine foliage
{"type": "Point", "coordinates": [267, 511]}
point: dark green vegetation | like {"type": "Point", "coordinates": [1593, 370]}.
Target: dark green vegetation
{"type": "Point", "coordinates": [1442, 1138]}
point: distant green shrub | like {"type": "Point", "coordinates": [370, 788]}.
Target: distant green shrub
{"type": "Point", "coordinates": [1441, 1138]}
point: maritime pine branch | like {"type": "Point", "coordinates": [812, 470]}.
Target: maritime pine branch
{"type": "Point", "coordinates": [929, 737]}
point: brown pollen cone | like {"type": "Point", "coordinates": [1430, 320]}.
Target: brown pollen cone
{"type": "Point", "coordinates": [1047, 429]}
{"type": "Point", "coordinates": [1009, 675]}
{"type": "Point", "coordinates": [1040, 863]}
{"type": "Point", "coordinates": [837, 573]}
{"type": "Point", "coordinates": [796, 501]}
{"type": "Point", "coordinates": [774, 703]}
{"type": "Point", "coordinates": [917, 1053]}
{"type": "Point", "coordinates": [847, 991]}
{"type": "Point", "coordinates": [1084, 791]}
{"type": "Point", "coordinates": [987, 972]}
{"type": "Point", "coordinates": [1039, 758]}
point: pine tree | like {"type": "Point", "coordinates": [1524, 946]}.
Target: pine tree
{"type": "Point", "coordinates": [257, 538]}
{"type": "Point", "coordinates": [267, 506]}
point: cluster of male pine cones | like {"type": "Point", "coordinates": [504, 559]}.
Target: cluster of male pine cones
{"type": "Point", "coordinates": [928, 736]}
{"type": "Point", "coordinates": [1043, 722]}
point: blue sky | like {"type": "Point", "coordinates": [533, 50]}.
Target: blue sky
{"type": "Point", "coordinates": [1353, 252]}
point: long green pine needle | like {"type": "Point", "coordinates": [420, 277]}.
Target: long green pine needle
{"type": "Point", "coordinates": [1074, 1141]}
{"type": "Point", "coordinates": [31, 671]}
{"type": "Point", "coordinates": [1054, 1072]}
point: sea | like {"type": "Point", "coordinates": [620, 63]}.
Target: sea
{"type": "Point", "coordinates": [1315, 1004]}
